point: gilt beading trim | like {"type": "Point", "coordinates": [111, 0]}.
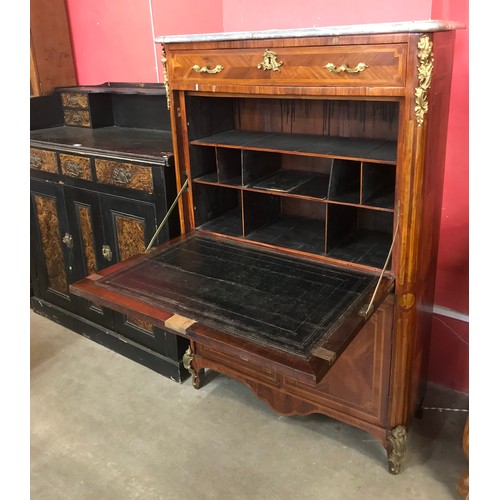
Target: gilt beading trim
{"type": "Point", "coordinates": [165, 73]}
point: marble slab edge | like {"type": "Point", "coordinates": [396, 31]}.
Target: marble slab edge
{"type": "Point", "coordinates": [354, 29]}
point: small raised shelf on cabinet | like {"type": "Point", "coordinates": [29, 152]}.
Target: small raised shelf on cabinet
{"type": "Point", "coordinates": [322, 195]}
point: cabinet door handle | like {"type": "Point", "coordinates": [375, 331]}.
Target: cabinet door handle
{"type": "Point", "coordinates": [343, 68]}
{"type": "Point", "coordinates": [121, 176]}
{"type": "Point", "coordinates": [68, 240]}
{"type": "Point", "coordinates": [205, 69]}
{"type": "Point", "coordinates": [107, 253]}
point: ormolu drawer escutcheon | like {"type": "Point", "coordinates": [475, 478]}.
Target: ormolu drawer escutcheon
{"type": "Point", "coordinates": [270, 61]}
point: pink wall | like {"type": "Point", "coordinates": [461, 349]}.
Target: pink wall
{"type": "Point", "coordinates": [245, 15]}
{"type": "Point", "coordinates": [113, 41]}
{"type": "Point", "coordinates": [449, 363]}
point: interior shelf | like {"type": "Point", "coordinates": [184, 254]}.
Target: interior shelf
{"type": "Point", "coordinates": [299, 181]}
{"type": "Point", "coordinates": [228, 224]}
{"type": "Point", "coordinates": [296, 233]}
{"type": "Point", "coordinates": [363, 246]}
{"type": "Point", "coordinates": [334, 147]}
{"type": "Point", "coordinates": [295, 181]}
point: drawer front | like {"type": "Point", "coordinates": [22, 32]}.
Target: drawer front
{"type": "Point", "coordinates": [76, 166]}
{"type": "Point", "coordinates": [77, 117]}
{"type": "Point", "coordinates": [43, 160]}
{"type": "Point", "coordinates": [75, 100]}
{"type": "Point", "coordinates": [124, 175]}
{"type": "Point", "coordinates": [237, 364]}
{"type": "Point", "coordinates": [350, 65]}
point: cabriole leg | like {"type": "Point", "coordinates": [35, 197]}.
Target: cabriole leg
{"type": "Point", "coordinates": [188, 362]}
{"type": "Point", "coordinates": [396, 448]}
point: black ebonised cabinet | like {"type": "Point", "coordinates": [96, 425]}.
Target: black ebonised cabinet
{"type": "Point", "coordinates": [102, 180]}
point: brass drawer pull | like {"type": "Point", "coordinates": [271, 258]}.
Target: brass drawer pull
{"type": "Point", "coordinates": [107, 253]}
{"type": "Point", "coordinates": [73, 169]}
{"type": "Point", "coordinates": [205, 69]}
{"type": "Point", "coordinates": [270, 61]}
{"type": "Point", "coordinates": [344, 68]}
{"type": "Point", "coordinates": [121, 176]}
{"type": "Point", "coordinates": [68, 240]}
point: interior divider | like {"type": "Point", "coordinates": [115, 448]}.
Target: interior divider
{"type": "Point", "coordinates": [203, 162]}
{"type": "Point", "coordinates": [345, 181]}
{"type": "Point", "coordinates": [378, 184]}
{"type": "Point", "coordinates": [229, 165]}
{"type": "Point", "coordinates": [258, 210]}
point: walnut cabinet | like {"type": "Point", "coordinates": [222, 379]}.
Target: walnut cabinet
{"type": "Point", "coordinates": [313, 161]}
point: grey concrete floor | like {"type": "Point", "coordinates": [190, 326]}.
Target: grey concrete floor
{"type": "Point", "coordinates": [104, 427]}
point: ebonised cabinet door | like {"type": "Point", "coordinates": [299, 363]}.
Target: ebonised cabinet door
{"type": "Point", "coordinates": [128, 227]}
{"type": "Point", "coordinates": [85, 219]}
{"type": "Point", "coordinates": [52, 244]}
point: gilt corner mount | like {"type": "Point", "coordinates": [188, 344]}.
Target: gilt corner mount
{"type": "Point", "coordinates": [424, 74]}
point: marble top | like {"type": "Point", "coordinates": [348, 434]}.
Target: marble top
{"type": "Point", "coordinates": [353, 29]}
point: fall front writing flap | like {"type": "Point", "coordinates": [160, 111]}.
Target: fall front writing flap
{"type": "Point", "coordinates": [288, 310]}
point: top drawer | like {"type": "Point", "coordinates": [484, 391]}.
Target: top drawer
{"type": "Point", "coordinates": [347, 65]}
